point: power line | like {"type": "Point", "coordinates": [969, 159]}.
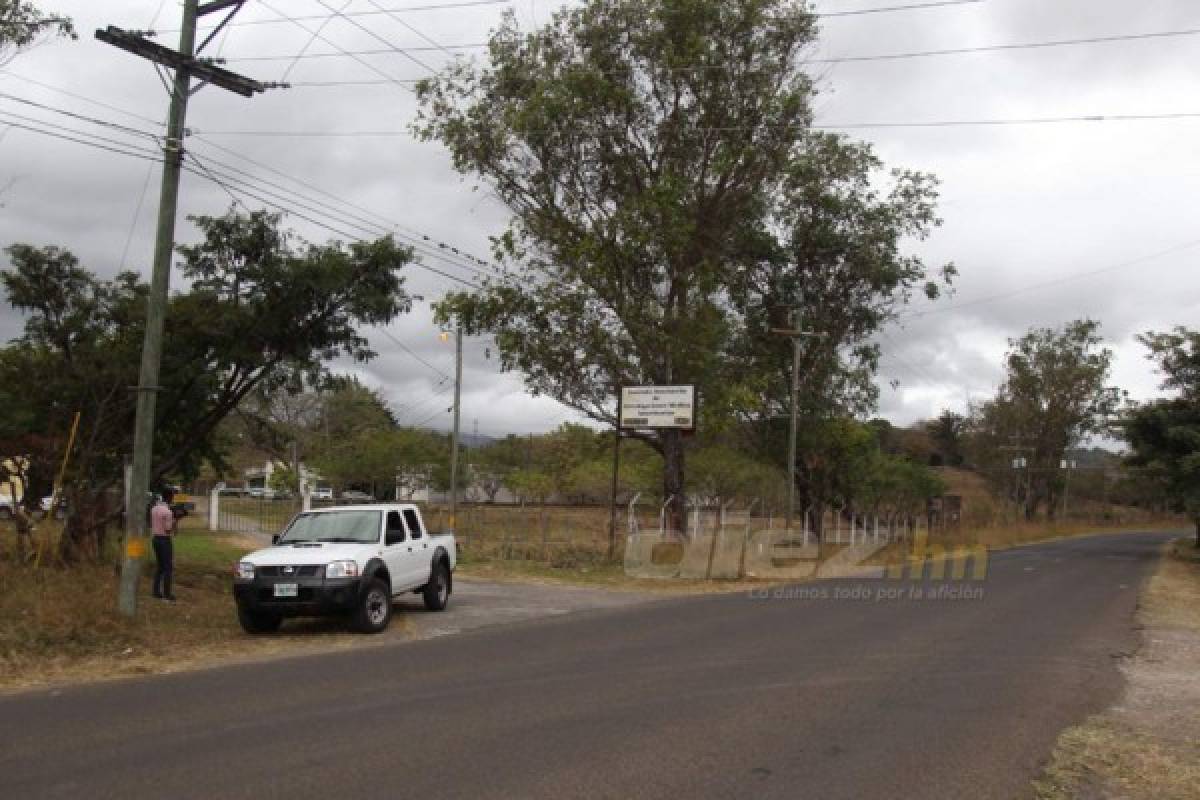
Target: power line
{"type": "Point", "coordinates": [211, 175]}
{"type": "Point", "coordinates": [474, 3]}
{"type": "Point", "coordinates": [81, 117]}
{"type": "Point", "coordinates": [889, 9]}
{"type": "Point", "coordinates": [95, 140]}
{"type": "Point", "coordinates": [410, 351]}
{"type": "Point", "coordinates": [430, 246]}
{"type": "Point", "coordinates": [735, 128]}
{"type": "Point", "coordinates": [409, 27]}
{"type": "Point", "coordinates": [312, 38]}
{"type": "Point", "coordinates": [318, 17]}
{"type": "Point", "coordinates": [1056, 282]}
{"type": "Point", "coordinates": [80, 97]}
{"type": "Point", "coordinates": [316, 33]}
{"type": "Point", "coordinates": [377, 37]}
{"type": "Point", "coordinates": [952, 51]}
{"type": "Point", "coordinates": [415, 236]}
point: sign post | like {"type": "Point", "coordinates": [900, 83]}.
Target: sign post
{"type": "Point", "coordinates": [648, 408]}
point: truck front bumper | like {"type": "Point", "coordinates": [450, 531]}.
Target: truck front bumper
{"type": "Point", "coordinates": [315, 596]}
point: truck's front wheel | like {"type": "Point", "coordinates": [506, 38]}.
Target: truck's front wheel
{"type": "Point", "coordinates": [258, 621]}
{"type": "Point", "coordinates": [374, 610]}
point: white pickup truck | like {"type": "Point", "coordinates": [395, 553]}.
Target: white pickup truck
{"type": "Point", "coordinates": [348, 560]}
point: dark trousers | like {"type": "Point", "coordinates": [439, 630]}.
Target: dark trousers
{"type": "Point", "coordinates": [164, 554]}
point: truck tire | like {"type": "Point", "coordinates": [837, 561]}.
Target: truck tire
{"type": "Point", "coordinates": [258, 621]}
{"type": "Point", "coordinates": [374, 610]}
{"type": "Point", "coordinates": [437, 591]}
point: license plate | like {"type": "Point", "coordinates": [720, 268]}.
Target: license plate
{"type": "Point", "coordinates": [286, 589]}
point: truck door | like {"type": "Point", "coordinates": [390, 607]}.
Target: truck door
{"type": "Point", "coordinates": [420, 542]}
{"type": "Point", "coordinates": [398, 552]}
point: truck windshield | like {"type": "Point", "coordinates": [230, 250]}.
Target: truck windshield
{"type": "Point", "coordinates": [333, 526]}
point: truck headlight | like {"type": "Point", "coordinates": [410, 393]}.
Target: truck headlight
{"type": "Point", "coordinates": [341, 569]}
{"type": "Point", "coordinates": [244, 571]}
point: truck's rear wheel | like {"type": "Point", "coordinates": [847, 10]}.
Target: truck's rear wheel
{"type": "Point", "coordinates": [258, 621]}
{"type": "Point", "coordinates": [374, 610]}
{"type": "Point", "coordinates": [437, 591]}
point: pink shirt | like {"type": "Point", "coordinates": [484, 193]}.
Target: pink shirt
{"type": "Point", "coordinates": [162, 521]}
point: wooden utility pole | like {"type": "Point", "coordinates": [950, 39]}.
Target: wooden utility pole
{"type": "Point", "coordinates": [796, 334]}
{"type": "Point", "coordinates": [454, 436]}
{"type": "Point", "coordinates": [186, 66]}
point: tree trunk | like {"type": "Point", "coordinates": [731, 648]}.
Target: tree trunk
{"type": "Point", "coordinates": [1198, 534]}
{"type": "Point", "coordinates": [673, 496]}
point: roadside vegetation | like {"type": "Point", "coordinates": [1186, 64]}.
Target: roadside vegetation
{"type": "Point", "coordinates": [1147, 747]}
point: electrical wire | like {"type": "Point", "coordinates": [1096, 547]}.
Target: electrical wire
{"type": "Point", "coordinates": [285, 18]}
{"type": "Point", "coordinates": [83, 98]}
{"type": "Point", "coordinates": [81, 117]}
{"type": "Point", "coordinates": [418, 238]}
{"type": "Point", "coordinates": [423, 242]}
{"type": "Point", "coordinates": [951, 51]}
{"type": "Point", "coordinates": [737, 128]}
{"type": "Point", "coordinates": [474, 3]}
{"type": "Point", "coordinates": [94, 140]}
{"type": "Point", "coordinates": [1046, 284]}
{"type": "Point", "coordinates": [396, 340]}
{"type": "Point", "coordinates": [206, 172]}
{"type": "Point", "coordinates": [377, 37]}
{"type": "Point", "coordinates": [304, 50]}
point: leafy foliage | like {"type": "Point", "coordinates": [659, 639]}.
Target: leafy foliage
{"type": "Point", "coordinates": [260, 313]}
{"type": "Point", "coordinates": [1054, 396]}
{"type": "Point", "coordinates": [22, 25]}
{"type": "Point", "coordinates": [1165, 434]}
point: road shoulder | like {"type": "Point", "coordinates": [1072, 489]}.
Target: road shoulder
{"type": "Point", "coordinates": [1147, 745]}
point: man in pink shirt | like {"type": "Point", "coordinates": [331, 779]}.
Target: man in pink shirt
{"type": "Point", "coordinates": [162, 524]}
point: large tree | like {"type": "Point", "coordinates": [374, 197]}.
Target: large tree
{"type": "Point", "coordinates": [260, 312]}
{"type": "Point", "coordinates": [1164, 434]}
{"type": "Point", "coordinates": [1054, 396]}
{"type": "Point", "coordinates": [642, 147]}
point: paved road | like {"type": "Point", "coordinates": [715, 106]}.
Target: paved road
{"type": "Point", "coordinates": [721, 696]}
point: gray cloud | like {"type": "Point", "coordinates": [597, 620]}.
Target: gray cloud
{"type": "Point", "coordinates": [1023, 205]}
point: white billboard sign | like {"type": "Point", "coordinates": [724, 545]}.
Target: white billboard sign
{"type": "Point", "coordinates": [658, 407]}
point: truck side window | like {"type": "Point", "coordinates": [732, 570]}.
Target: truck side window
{"type": "Point", "coordinates": [395, 529]}
{"type": "Point", "coordinates": [414, 523]}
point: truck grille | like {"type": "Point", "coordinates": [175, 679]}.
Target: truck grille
{"type": "Point", "coordinates": [307, 571]}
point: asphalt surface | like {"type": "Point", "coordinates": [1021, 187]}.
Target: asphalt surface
{"type": "Point", "coordinates": [721, 696]}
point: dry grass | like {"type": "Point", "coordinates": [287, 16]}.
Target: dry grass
{"type": "Point", "coordinates": [1147, 747]}
{"type": "Point", "coordinates": [1105, 758]}
{"type": "Point", "coordinates": [61, 625]}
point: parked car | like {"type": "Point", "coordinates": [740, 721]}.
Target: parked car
{"type": "Point", "coordinates": [322, 492]}
{"type": "Point", "coordinates": [266, 493]}
{"type": "Point", "coordinates": [355, 496]}
{"type": "Point", "coordinates": [348, 560]}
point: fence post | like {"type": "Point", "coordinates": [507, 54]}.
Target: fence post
{"type": "Point", "coordinates": [214, 510]}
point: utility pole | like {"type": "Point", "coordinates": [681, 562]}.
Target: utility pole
{"type": "Point", "coordinates": [454, 437]}
{"type": "Point", "coordinates": [185, 64]}
{"type": "Point", "coordinates": [796, 334]}
{"type": "Point", "coordinates": [612, 500]}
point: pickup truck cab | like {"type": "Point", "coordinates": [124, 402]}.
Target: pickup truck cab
{"type": "Point", "coordinates": [349, 560]}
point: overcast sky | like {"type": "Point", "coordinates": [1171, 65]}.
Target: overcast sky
{"type": "Point", "coordinates": [1046, 222]}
